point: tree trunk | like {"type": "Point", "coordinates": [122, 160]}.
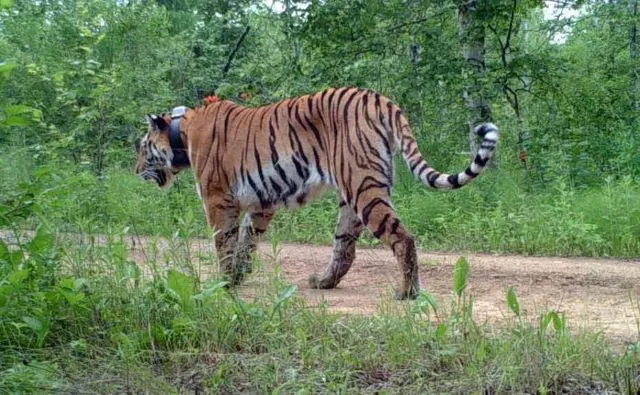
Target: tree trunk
{"type": "Point", "coordinates": [633, 47]}
{"type": "Point", "coordinates": [471, 35]}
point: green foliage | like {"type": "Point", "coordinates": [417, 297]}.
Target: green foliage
{"type": "Point", "coordinates": [512, 301]}
{"type": "Point", "coordinates": [460, 276]}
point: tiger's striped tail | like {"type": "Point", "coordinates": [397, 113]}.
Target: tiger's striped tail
{"type": "Point", "coordinates": [435, 179]}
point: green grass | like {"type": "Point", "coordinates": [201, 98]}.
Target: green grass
{"type": "Point", "coordinates": [81, 317]}
{"type": "Point", "coordinates": [497, 213]}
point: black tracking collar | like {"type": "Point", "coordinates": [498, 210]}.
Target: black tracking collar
{"type": "Point", "coordinates": [180, 156]}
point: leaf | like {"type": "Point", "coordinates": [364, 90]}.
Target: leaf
{"type": "Point", "coordinates": [432, 302]}
{"type": "Point", "coordinates": [58, 77]}
{"type": "Point", "coordinates": [425, 300]}
{"type": "Point", "coordinates": [558, 322]}
{"type": "Point", "coordinates": [6, 4]}
{"type": "Point", "coordinates": [284, 296]}
{"type": "Point", "coordinates": [441, 331]}
{"type": "Point", "coordinates": [4, 250]}
{"type": "Point", "coordinates": [546, 320]}
{"type": "Point", "coordinates": [6, 67]}
{"type": "Point", "coordinates": [181, 284]}
{"type": "Point", "coordinates": [15, 120]}
{"type": "Point", "coordinates": [17, 277]}
{"type": "Point", "coordinates": [33, 323]}
{"type": "Point", "coordinates": [460, 275]}
{"type": "Point", "coordinates": [512, 301]}
{"type": "Point", "coordinates": [42, 242]}
{"type": "Point", "coordinates": [211, 291]}
{"type": "Point", "coordinates": [18, 109]}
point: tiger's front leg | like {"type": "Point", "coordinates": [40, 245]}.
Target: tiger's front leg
{"type": "Point", "coordinates": [253, 226]}
{"type": "Point", "coordinates": [224, 220]}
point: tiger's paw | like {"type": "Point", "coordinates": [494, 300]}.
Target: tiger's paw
{"type": "Point", "coordinates": [411, 294]}
{"type": "Point", "coordinates": [320, 283]}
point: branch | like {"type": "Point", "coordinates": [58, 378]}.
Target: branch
{"type": "Point", "coordinates": [417, 21]}
{"type": "Point", "coordinates": [235, 50]}
{"type": "Point", "coordinates": [507, 42]}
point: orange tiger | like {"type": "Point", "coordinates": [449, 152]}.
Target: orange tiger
{"type": "Point", "coordinates": [254, 160]}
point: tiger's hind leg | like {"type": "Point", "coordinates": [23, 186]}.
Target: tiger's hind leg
{"type": "Point", "coordinates": [252, 227]}
{"type": "Point", "coordinates": [347, 232]}
{"type": "Point", "coordinates": [376, 212]}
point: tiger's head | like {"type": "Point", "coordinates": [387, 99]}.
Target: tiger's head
{"type": "Point", "coordinates": [155, 153]}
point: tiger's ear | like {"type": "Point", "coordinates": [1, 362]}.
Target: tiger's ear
{"type": "Point", "coordinates": [157, 123]}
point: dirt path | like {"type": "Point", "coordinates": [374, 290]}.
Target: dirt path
{"type": "Point", "coordinates": [600, 294]}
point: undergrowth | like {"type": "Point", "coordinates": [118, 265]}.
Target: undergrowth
{"type": "Point", "coordinates": [497, 213]}
{"type": "Point", "coordinates": [80, 316]}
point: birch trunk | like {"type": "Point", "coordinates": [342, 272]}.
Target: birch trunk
{"type": "Point", "coordinates": [472, 35]}
{"type": "Point", "coordinates": [635, 69]}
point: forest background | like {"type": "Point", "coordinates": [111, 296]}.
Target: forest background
{"type": "Point", "coordinates": [559, 78]}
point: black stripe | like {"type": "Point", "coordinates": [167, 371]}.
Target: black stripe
{"type": "Point", "coordinates": [275, 186]}
{"type": "Point", "coordinates": [422, 168]}
{"type": "Point", "coordinates": [431, 177]}
{"type": "Point", "coordinates": [480, 161]}
{"type": "Point", "coordinates": [394, 226]}
{"type": "Point", "coordinates": [453, 180]}
{"type": "Point", "coordinates": [366, 211]}
{"type": "Point", "coordinates": [300, 169]}
{"type": "Point", "coordinates": [383, 226]}
{"type": "Point", "coordinates": [318, 165]}
{"type": "Point", "coordinates": [226, 124]}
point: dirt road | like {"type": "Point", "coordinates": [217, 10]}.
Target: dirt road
{"type": "Point", "coordinates": [599, 294]}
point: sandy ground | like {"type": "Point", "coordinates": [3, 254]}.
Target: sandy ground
{"type": "Point", "coordinates": [601, 294]}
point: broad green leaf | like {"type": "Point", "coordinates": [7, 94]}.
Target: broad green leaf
{"type": "Point", "coordinates": [6, 67]}
{"type": "Point", "coordinates": [441, 331]}
{"type": "Point", "coordinates": [18, 109]}
{"type": "Point", "coordinates": [6, 4]}
{"type": "Point", "coordinates": [426, 301]}
{"type": "Point", "coordinates": [182, 285]}
{"type": "Point", "coordinates": [460, 276]}
{"type": "Point", "coordinates": [211, 291]}
{"type": "Point", "coordinates": [73, 298]}
{"type": "Point", "coordinates": [15, 120]}
{"type": "Point", "coordinates": [512, 301]}
{"type": "Point", "coordinates": [18, 276]}
{"type": "Point", "coordinates": [284, 296]}
{"type": "Point", "coordinates": [33, 323]}
{"type": "Point", "coordinates": [4, 250]}
{"type": "Point", "coordinates": [558, 322]}
{"type": "Point", "coordinates": [58, 77]}
{"type": "Point", "coordinates": [42, 242]}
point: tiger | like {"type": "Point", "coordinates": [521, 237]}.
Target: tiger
{"type": "Point", "coordinates": [249, 162]}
